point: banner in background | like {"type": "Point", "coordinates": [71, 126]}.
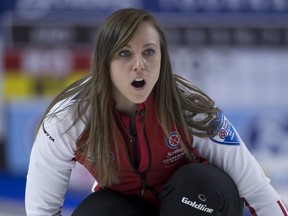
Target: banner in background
{"type": "Point", "coordinates": [203, 6]}
{"type": "Point", "coordinates": [236, 77]}
{"type": "Point", "coordinates": [83, 35]}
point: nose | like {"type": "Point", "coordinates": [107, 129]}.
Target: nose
{"type": "Point", "coordinates": [138, 64]}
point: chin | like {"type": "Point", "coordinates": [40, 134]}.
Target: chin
{"type": "Point", "coordinates": [139, 99]}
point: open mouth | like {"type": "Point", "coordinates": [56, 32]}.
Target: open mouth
{"type": "Point", "coordinates": [138, 83]}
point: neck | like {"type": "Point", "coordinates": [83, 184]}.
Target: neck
{"type": "Point", "coordinates": [127, 109]}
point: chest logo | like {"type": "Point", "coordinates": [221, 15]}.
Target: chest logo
{"type": "Point", "coordinates": [173, 140]}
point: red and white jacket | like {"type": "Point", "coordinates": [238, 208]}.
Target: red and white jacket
{"type": "Point", "coordinates": [54, 155]}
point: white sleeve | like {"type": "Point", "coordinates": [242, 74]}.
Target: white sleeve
{"type": "Point", "coordinates": [227, 151]}
{"type": "Point", "coordinates": [51, 162]}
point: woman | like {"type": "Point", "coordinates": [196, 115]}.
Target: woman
{"type": "Point", "coordinates": [155, 144]}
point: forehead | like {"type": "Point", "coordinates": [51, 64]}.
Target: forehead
{"type": "Point", "coordinates": [147, 33]}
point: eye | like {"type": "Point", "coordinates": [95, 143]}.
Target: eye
{"type": "Point", "coordinates": [124, 53]}
{"type": "Point", "coordinates": [149, 52]}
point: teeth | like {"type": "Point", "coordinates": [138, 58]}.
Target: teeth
{"type": "Point", "coordinates": [138, 79]}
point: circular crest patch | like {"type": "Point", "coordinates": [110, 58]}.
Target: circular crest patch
{"type": "Point", "coordinates": [173, 140]}
{"type": "Point", "coordinates": [222, 134]}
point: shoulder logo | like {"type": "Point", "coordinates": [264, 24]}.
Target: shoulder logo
{"type": "Point", "coordinates": [173, 140]}
{"type": "Point", "coordinates": [225, 132]}
{"type": "Point", "coordinates": [47, 134]}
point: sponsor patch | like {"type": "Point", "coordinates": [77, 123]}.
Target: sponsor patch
{"type": "Point", "coordinates": [173, 156]}
{"type": "Point", "coordinates": [173, 140]}
{"type": "Point", "coordinates": [225, 133]}
{"type": "Point", "coordinates": [198, 206]}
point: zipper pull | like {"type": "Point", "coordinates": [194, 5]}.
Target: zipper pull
{"type": "Point", "coordinates": [194, 157]}
{"type": "Point", "coordinates": [143, 180]}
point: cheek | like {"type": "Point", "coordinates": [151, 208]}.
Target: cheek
{"type": "Point", "coordinates": [157, 61]}
{"type": "Point", "coordinates": [117, 68]}
{"type": "Point", "coordinates": [114, 71]}
{"type": "Point", "coordinates": [157, 67]}
{"type": "Point", "coordinates": [116, 82]}
{"type": "Point", "coordinates": [117, 76]}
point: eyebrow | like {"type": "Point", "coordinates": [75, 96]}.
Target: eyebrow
{"type": "Point", "coordinates": [146, 45]}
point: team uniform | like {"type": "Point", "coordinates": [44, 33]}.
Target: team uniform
{"type": "Point", "coordinates": [147, 164]}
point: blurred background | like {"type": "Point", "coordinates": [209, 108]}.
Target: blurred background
{"type": "Point", "coordinates": [234, 50]}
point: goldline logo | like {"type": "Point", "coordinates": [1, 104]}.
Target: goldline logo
{"type": "Point", "coordinates": [196, 205]}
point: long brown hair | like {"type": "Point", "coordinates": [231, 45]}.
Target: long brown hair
{"type": "Point", "coordinates": [177, 101]}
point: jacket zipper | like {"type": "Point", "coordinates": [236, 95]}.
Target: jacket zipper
{"type": "Point", "coordinates": [143, 175]}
